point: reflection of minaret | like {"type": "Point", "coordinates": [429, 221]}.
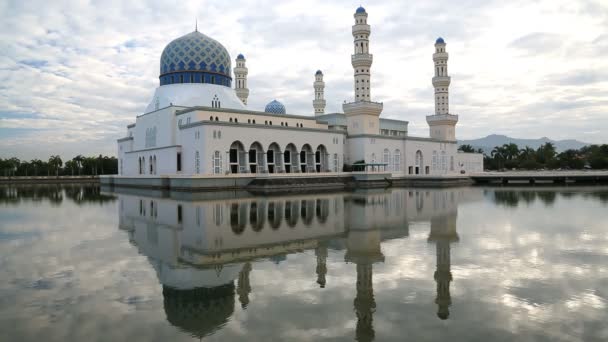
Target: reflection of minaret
{"type": "Point", "coordinates": [243, 285]}
{"type": "Point", "coordinates": [364, 251]}
{"type": "Point", "coordinates": [443, 232]}
{"type": "Point", "coordinates": [321, 253]}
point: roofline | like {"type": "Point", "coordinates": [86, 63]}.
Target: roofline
{"type": "Point", "coordinates": [406, 137]}
{"type": "Point", "coordinates": [124, 139]}
{"type": "Point", "coordinates": [289, 128]}
{"type": "Point", "coordinates": [243, 111]}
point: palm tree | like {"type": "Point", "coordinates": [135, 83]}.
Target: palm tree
{"type": "Point", "coordinates": [78, 162]}
{"type": "Point", "coordinates": [527, 153]}
{"type": "Point", "coordinates": [55, 162]}
{"type": "Point", "coordinates": [498, 153]}
{"type": "Point", "coordinates": [466, 148]}
{"type": "Point", "coordinates": [511, 151]}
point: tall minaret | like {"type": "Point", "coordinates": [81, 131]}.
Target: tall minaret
{"type": "Point", "coordinates": [362, 115]}
{"type": "Point", "coordinates": [321, 254]}
{"type": "Point", "coordinates": [442, 124]}
{"type": "Point", "coordinates": [443, 233]}
{"type": "Point", "coordinates": [361, 59]}
{"type": "Point", "coordinates": [243, 286]}
{"type": "Point", "coordinates": [319, 102]}
{"type": "Point", "coordinates": [240, 74]}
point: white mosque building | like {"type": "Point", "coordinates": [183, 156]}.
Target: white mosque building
{"type": "Point", "coordinates": [197, 124]}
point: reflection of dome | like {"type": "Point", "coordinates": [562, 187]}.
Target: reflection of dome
{"type": "Point", "coordinates": [275, 107]}
{"type": "Point", "coordinates": [439, 41]}
{"type": "Point", "coordinates": [195, 54]}
{"type": "Point", "coordinates": [200, 311]}
{"type": "Point", "coordinates": [360, 9]}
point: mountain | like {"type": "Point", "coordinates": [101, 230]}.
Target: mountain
{"type": "Point", "coordinates": [488, 143]}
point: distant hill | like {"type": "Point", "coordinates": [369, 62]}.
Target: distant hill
{"type": "Point", "coordinates": [488, 143]}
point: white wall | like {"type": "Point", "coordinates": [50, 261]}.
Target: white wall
{"type": "Point", "coordinates": [470, 162]}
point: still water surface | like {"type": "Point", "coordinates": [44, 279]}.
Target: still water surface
{"type": "Point", "coordinates": [464, 264]}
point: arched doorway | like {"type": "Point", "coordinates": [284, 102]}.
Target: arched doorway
{"type": "Point", "coordinates": [419, 162]}
{"type": "Point", "coordinates": [236, 158]}
{"type": "Point", "coordinates": [275, 214]}
{"type": "Point", "coordinates": [256, 158]}
{"type": "Point", "coordinates": [306, 159]}
{"type": "Point", "coordinates": [321, 159]}
{"type": "Point", "coordinates": [273, 158]}
{"type": "Point", "coordinates": [290, 159]}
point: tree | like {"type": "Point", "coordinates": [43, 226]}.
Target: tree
{"type": "Point", "coordinates": [55, 162]}
{"type": "Point", "coordinates": [466, 148]}
{"type": "Point", "coordinates": [546, 153]}
{"type": "Point", "coordinates": [498, 154]}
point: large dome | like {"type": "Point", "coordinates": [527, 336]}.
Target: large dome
{"type": "Point", "coordinates": [195, 58]}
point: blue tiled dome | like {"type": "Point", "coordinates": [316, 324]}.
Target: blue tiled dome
{"type": "Point", "coordinates": [195, 53]}
{"type": "Point", "coordinates": [318, 72]}
{"type": "Point", "coordinates": [275, 107]}
{"type": "Point", "coordinates": [240, 56]}
{"type": "Point", "coordinates": [439, 41]}
{"type": "Point", "coordinates": [360, 10]}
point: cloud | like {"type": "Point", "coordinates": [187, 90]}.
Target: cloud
{"type": "Point", "coordinates": [538, 43]}
{"type": "Point", "coordinates": [84, 74]}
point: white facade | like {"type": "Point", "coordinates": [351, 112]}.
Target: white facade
{"type": "Point", "coordinates": [196, 125]}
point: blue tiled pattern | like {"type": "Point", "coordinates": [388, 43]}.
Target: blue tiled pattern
{"type": "Point", "coordinates": [275, 107]}
{"type": "Point", "coordinates": [195, 52]}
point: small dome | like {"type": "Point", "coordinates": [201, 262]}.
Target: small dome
{"type": "Point", "coordinates": [439, 41]}
{"type": "Point", "coordinates": [360, 10]}
{"type": "Point", "coordinates": [240, 56]}
{"type": "Point", "coordinates": [319, 72]}
{"type": "Point", "coordinates": [275, 107]}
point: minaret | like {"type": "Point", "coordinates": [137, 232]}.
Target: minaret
{"type": "Point", "coordinates": [442, 124]}
{"type": "Point", "coordinates": [362, 59]}
{"type": "Point", "coordinates": [362, 114]}
{"type": "Point", "coordinates": [443, 233]}
{"type": "Point", "coordinates": [240, 75]}
{"type": "Point", "coordinates": [243, 286]}
{"type": "Point", "coordinates": [321, 254]}
{"type": "Point", "coordinates": [319, 102]}
{"type": "Point", "coordinates": [363, 249]}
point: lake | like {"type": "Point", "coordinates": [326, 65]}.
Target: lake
{"type": "Point", "coordinates": [80, 263]}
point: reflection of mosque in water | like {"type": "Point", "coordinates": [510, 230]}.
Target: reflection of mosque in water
{"type": "Point", "coordinates": [201, 247]}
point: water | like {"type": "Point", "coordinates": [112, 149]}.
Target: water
{"type": "Point", "coordinates": [463, 264]}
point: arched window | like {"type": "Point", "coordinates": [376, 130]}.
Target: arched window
{"type": "Point", "coordinates": [386, 158]}
{"type": "Point", "coordinates": [155, 164]}
{"type": "Point", "coordinates": [397, 161]}
{"type": "Point", "coordinates": [217, 162]}
{"type": "Point", "coordinates": [197, 162]}
{"type": "Point", "coordinates": [216, 119]}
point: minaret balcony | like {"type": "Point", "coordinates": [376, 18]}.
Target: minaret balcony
{"type": "Point", "coordinates": [442, 119]}
{"type": "Point", "coordinates": [361, 29]}
{"type": "Point", "coordinates": [363, 107]}
{"type": "Point", "coordinates": [362, 59]}
{"type": "Point", "coordinates": [440, 55]}
{"type": "Point", "coordinates": [441, 81]}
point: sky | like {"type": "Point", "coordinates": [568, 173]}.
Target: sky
{"type": "Point", "coordinates": [73, 74]}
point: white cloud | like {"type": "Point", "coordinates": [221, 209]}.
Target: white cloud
{"type": "Point", "coordinates": [73, 74]}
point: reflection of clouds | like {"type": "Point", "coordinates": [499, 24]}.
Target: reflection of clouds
{"type": "Point", "coordinates": [82, 278]}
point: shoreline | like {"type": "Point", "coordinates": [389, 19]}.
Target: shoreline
{"type": "Point", "coordinates": [315, 182]}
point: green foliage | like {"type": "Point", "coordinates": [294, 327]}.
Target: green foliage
{"type": "Point", "coordinates": [466, 148]}
{"type": "Point", "coordinates": [509, 156]}
{"type": "Point", "coordinates": [78, 165]}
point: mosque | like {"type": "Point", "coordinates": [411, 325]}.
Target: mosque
{"type": "Point", "coordinates": [198, 124]}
